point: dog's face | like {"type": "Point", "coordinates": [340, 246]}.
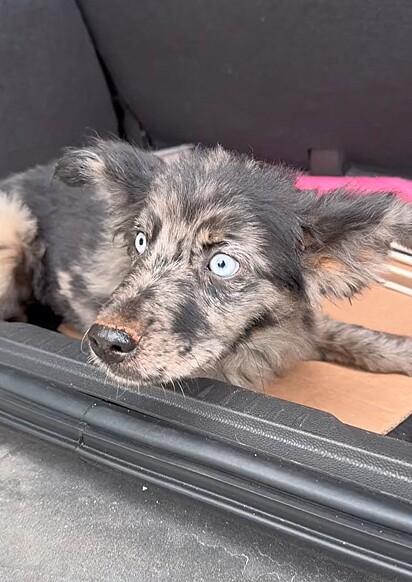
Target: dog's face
{"type": "Point", "coordinates": [225, 254]}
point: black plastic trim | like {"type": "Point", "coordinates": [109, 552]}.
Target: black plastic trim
{"type": "Point", "coordinates": [43, 392]}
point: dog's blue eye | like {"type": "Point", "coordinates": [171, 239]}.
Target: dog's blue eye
{"type": "Point", "coordinates": [223, 265]}
{"type": "Point", "coordinates": [140, 242]}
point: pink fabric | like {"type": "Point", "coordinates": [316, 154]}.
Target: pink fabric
{"type": "Point", "coordinates": [324, 184]}
{"type": "Point", "coordinates": [362, 185]}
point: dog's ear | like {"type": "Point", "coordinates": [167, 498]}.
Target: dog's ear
{"type": "Point", "coordinates": [346, 239]}
{"type": "Point", "coordinates": [116, 169]}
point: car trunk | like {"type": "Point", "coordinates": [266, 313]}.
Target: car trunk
{"type": "Point", "coordinates": [324, 454]}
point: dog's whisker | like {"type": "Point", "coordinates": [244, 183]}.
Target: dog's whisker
{"type": "Point", "coordinates": [106, 378]}
{"type": "Point", "coordinates": [171, 381]}
{"type": "Point", "coordinates": [84, 339]}
{"type": "Point", "coordinates": [181, 388]}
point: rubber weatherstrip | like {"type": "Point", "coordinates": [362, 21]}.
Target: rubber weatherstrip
{"type": "Point", "coordinates": [202, 445]}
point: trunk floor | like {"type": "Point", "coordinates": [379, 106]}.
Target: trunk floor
{"type": "Point", "coordinates": [65, 520]}
{"type": "Point", "coordinates": [403, 432]}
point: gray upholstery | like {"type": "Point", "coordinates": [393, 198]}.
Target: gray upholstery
{"type": "Point", "coordinates": [52, 90]}
{"type": "Point", "coordinates": [277, 77]}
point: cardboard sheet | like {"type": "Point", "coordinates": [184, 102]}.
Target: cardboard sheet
{"type": "Point", "coordinates": [375, 402]}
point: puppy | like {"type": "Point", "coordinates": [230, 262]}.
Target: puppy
{"type": "Point", "coordinates": [214, 265]}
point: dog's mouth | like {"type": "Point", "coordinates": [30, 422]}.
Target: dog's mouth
{"type": "Point", "coordinates": [134, 374]}
{"type": "Point", "coordinates": [128, 374]}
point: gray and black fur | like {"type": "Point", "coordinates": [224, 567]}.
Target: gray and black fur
{"type": "Point", "coordinates": [163, 315]}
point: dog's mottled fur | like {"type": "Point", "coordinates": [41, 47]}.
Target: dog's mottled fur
{"type": "Point", "coordinates": [69, 243]}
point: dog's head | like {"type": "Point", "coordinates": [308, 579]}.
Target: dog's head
{"type": "Point", "coordinates": [225, 255]}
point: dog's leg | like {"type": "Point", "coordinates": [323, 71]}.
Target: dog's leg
{"type": "Point", "coordinates": [19, 252]}
{"type": "Point", "coordinates": [359, 347]}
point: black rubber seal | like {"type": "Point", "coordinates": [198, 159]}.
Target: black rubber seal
{"type": "Point", "coordinates": [222, 445]}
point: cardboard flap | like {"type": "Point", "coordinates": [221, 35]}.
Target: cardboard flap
{"type": "Point", "coordinates": [375, 402]}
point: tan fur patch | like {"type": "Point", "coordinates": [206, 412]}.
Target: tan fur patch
{"type": "Point", "coordinates": [18, 229]}
{"type": "Point", "coordinates": [70, 331]}
{"type": "Point", "coordinates": [329, 264]}
{"type": "Point", "coordinates": [131, 328]}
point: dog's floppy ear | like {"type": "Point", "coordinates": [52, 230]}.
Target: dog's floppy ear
{"type": "Point", "coordinates": [346, 239]}
{"type": "Point", "coordinates": [116, 169]}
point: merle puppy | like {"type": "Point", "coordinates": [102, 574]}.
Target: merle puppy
{"type": "Point", "coordinates": [214, 265]}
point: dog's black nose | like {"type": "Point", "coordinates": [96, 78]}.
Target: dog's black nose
{"type": "Point", "coordinates": [109, 344]}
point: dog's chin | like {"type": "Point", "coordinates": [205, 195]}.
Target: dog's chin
{"type": "Point", "coordinates": [131, 379]}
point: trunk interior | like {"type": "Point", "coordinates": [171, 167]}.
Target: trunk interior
{"type": "Point", "coordinates": [326, 86]}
